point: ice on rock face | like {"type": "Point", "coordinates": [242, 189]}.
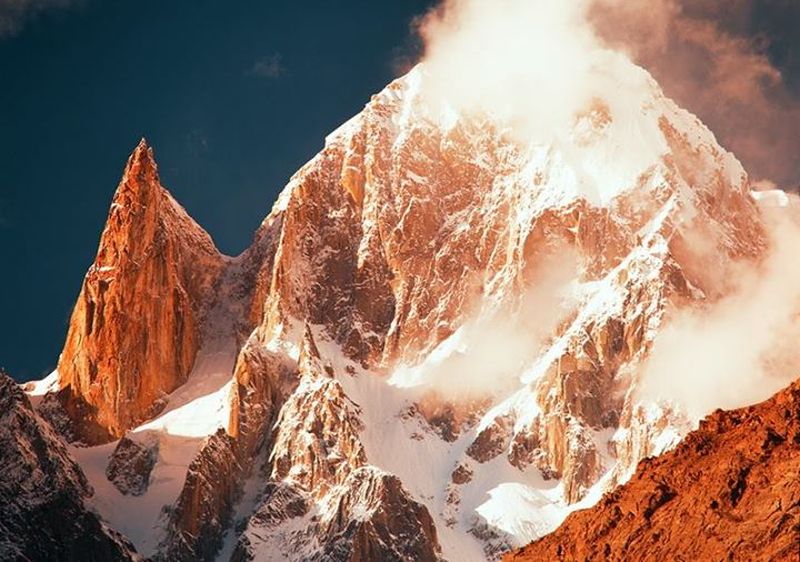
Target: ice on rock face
{"type": "Point", "coordinates": [443, 324]}
{"type": "Point", "coordinates": [445, 221]}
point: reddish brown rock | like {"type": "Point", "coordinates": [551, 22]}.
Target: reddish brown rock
{"type": "Point", "coordinates": [205, 505]}
{"type": "Point", "coordinates": [729, 491]}
{"type": "Point", "coordinates": [135, 329]}
{"type": "Point", "coordinates": [400, 230]}
{"type": "Point", "coordinates": [262, 382]}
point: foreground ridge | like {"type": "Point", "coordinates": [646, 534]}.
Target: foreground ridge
{"type": "Point", "coordinates": [43, 493]}
{"type": "Point", "coordinates": [729, 491]}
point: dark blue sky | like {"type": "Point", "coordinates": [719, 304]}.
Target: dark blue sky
{"type": "Point", "coordinates": [234, 97]}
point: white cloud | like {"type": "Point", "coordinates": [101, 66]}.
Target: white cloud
{"type": "Point", "coordinates": [741, 349]}
{"type": "Point", "coordinates": [268, 67]}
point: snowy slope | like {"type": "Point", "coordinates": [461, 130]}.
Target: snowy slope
{"type": "Point", "coordinates": [449, 328]}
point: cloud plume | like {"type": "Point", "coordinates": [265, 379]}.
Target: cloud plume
{"type": "Point", "coordinates": [527, 62]}
{"type": "Point", "coordinates": [485, 356]}
{"type": "Point", "coordinates": [532, 62]}
{"type": "Point", "coordinates": [741, 349]}
{"type": "Point", "coordinates": [708, 56]}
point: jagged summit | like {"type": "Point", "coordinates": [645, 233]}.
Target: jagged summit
{"type": "Point", "coordinates": [306, 396]}
{"type": "Point", "coordinates": [135, 330]}
{"type": "Point", "coordinates": [142, 164]}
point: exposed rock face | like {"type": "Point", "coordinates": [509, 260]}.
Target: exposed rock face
{"type": "Point", "coordinates": [317, 459]}
{"type": "Point", "coordinates": [729, 491]}
{"type": "Point", "coordinates": [317, 443]}
{"type": "Point", "coordinates": [135, 329]}
{"type": "Point", "coordinates": [370, 517]}
{"type": "Point", "coordinates": [376, 519]}
{"type": "Point", "coordinates": [205, 505]}
{"type": "Point", "coordinates": [263, 381]}
{"type": "Point", "coordinates": [390, 234]}
{"type": "Point", "coordinates": [404, 229]}
{"type": "Point", "coordinates": [131, 464]}
{"type": "Point", "coordinates": [43, 515]}
{"type": "Point", "coordinates": [266, 531]}
{"type": "Point", "coordinates": [375, 289]}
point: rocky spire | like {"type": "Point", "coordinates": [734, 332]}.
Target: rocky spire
{"type": "Point", "coordinates": [135, 331]}
{"type": "Point", "coordinates": [142, 165]}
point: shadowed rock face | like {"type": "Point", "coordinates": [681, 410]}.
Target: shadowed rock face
{"type": "Point", "coordinates": [43, 515]}
{"type": "Point", "coordinates": [376, 519]}
{"type": "Point", "coordinates": [135, 329]}
{"type": "Point", "coordinates": [729, 491]}
{"type": "Point", "coordinates": [130, 466]}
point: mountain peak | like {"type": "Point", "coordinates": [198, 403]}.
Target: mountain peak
{"type": "Point", "coordinates": [422, 246]}
{"type": "Point", "coordinates": [143, 299]}
{"type": "Point", "coordinates": [141, 166]}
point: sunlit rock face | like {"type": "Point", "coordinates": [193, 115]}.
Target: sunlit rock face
{"type": "Point", "coordinates": [323, 500]}
{"type": "Point", "coordinates": [732, 485]}
{"type": "Point", "coordinates": [404, 223]}
{"type": "Point", "coordinates": [411, 225]}
{"type": "Point", "coordinates": [135, 330]}
{"type": "Point", "coordinates": [439, 331]}
{"type": "Point", "coordinates": [262, 382]}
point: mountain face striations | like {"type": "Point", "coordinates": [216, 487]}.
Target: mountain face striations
{"type": "Point", "coordinates": [135, 330]}
{"type": "Point", "coordinates": [432, 350]}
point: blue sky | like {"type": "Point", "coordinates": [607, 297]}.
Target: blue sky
{"type": "Point", "coordinates": [234, 97]}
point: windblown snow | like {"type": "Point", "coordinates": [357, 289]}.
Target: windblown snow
{"type": "Point", "coordinates": [615, 147]}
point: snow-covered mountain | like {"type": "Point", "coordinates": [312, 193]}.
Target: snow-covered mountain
{"type": "Point", "coordinates": [431, 350]}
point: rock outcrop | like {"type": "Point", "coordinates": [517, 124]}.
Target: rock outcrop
{"type": "Point", "coordinates": [729, 491]}
{"type": "Point", "coordinates": [317, 441]}
{"type": "Point", "coordinates": [204, 508]}
{"type": "Point", "coordinates": [263, 380]}
{"type": "Point", "coordinates": [43, 512]}
{"type": "Point", "coordinates": [320, 476]}
{"type": "Point", "coordinates": [136, 327]}
{"type": "Point", "coordinates": [131, 464]}
{"type": "Point", "coordinates": [374, 518]}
